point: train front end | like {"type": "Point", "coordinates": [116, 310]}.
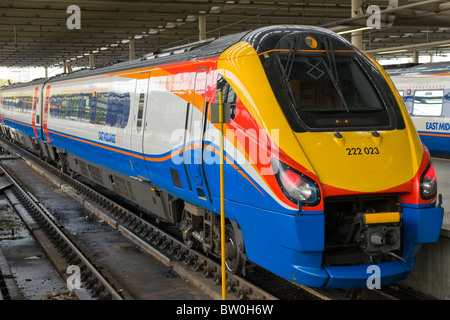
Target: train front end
{"type": "Point", "coordinates": [351, 193]}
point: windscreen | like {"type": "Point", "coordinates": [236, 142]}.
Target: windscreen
{"type": "Point", "coordinates": [332, 94]}
{"type": "Point", "coordinates": [322, 83]}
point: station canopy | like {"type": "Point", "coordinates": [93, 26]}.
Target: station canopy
{"type": "Point", "coordinates": [36, 33]}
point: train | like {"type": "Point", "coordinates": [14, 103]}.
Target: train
{"type": "Point", "coordinates": [326, 181]}
{"type": "Point", "coordinates": [425, 89]}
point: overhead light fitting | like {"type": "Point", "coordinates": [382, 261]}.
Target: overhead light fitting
{"type": "Point", "coordinates": [354, 30]}
{"type": "Point", "coordinates": [393, 51]}
{"type": "Point", "coordinates": [215, 9]}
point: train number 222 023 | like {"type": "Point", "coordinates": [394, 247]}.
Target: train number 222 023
{"type": "Point", "coordinates": [361, 151]}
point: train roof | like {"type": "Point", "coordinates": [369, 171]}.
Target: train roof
{"type": "Point", "coordinates": [194, 51]}
{"type": "Point", "coordinates": [189, 52]}
{"type": "Point", "coordinates": [420, 69]}
{"type": "Point", "coordinates": [24, 84]}
{"type": "Point", "coordinates": [282, 37]}
{"type": "Point", "coordinates": [261, 39]}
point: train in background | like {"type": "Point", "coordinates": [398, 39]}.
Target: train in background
{"type": "Point", "coordinates": [327, 183]}
{"type": "Point", "coordinates": [425, 89]}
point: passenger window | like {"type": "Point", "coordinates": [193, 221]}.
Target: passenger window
{"type": "Point", "coordinates": [86, 102]}
{"type": "Point", "coordinates": [75, 105]}
{"type": "Point", "coordinates": [113, 110]}
{"type": "Point", "coordinates": [57, 106]}
{"type": "Point", "coordinates": [228, 95]}
{"type": "Point", "coordinates": [118, 110]}
{"type": "Point", "coordinates": [29, 105]}
{"type": "Point", "coordinates": [428, 103]}
{"type": "Point", "coordinates": [64, 106]}
{"type": "Point", "coordinates": [140, 112]}
{"type": "Point", "coordinates": [100, 108]}
{"type": "Point", "coordinates": [21, 104]}
{"type": "Point", "coordinates": [10, 103]}
{"type": "Point", "coordinates": [54, 112]}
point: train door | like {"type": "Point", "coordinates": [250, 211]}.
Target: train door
{"type": "Point", "coordinates": [139, 123]}
{"type": "Point", "coordinates": [34, 117]}
{"type": "Point", "coordinates": [45, 135]}
{"type": "Point", "coordinates": [1, 109]}
{"type": "Point", "coordinates": [194, 139]}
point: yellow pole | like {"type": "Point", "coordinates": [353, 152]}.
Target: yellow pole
{"type": "Point", "coordinates": [222, 200]}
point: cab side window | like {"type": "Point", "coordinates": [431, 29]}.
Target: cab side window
{"type": "Point", "coordinates": [228, 95]}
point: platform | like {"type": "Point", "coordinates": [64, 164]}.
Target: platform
{"type": "Point", "coordinates": [432, 272]}
{"type": "Point", "coordinates": [442, 167]}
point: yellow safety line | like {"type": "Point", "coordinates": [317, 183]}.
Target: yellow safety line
{"type": "Point", "coordinates": [222, 200]}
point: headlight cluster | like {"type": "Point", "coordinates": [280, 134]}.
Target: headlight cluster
{"type": "Point", "coordinates": [296, 186]}
{"type": "Point", "coordinates": [428, 183]}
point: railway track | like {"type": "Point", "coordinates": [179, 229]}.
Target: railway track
{"type": "Point", "coordinates": [159, 242]}
{"type": "Point", "coordinates": [36, 216]}
{"type": "Point", "coordinates": [152, 239]}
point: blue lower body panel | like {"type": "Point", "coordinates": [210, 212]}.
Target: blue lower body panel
{"type": "Point", "coordinates": [420, 225]}
{"type": "Point", "coordinates": [292, 246]}
{"type": "Point", "coordinates": [359, 276]}
{"type": "Point", "coordinates": [437, 143]}
{"type": "Point", "coordinates": [21, 127]}
{"type": "Point", "coordinates": [288, 243]}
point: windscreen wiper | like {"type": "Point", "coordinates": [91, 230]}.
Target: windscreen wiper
{"type": "Point", "coordinates": [332, 71]}
{"type": "Point", "coordinates": [291, 58]}
{"type": "Point", "coordinates": [287, 69]}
